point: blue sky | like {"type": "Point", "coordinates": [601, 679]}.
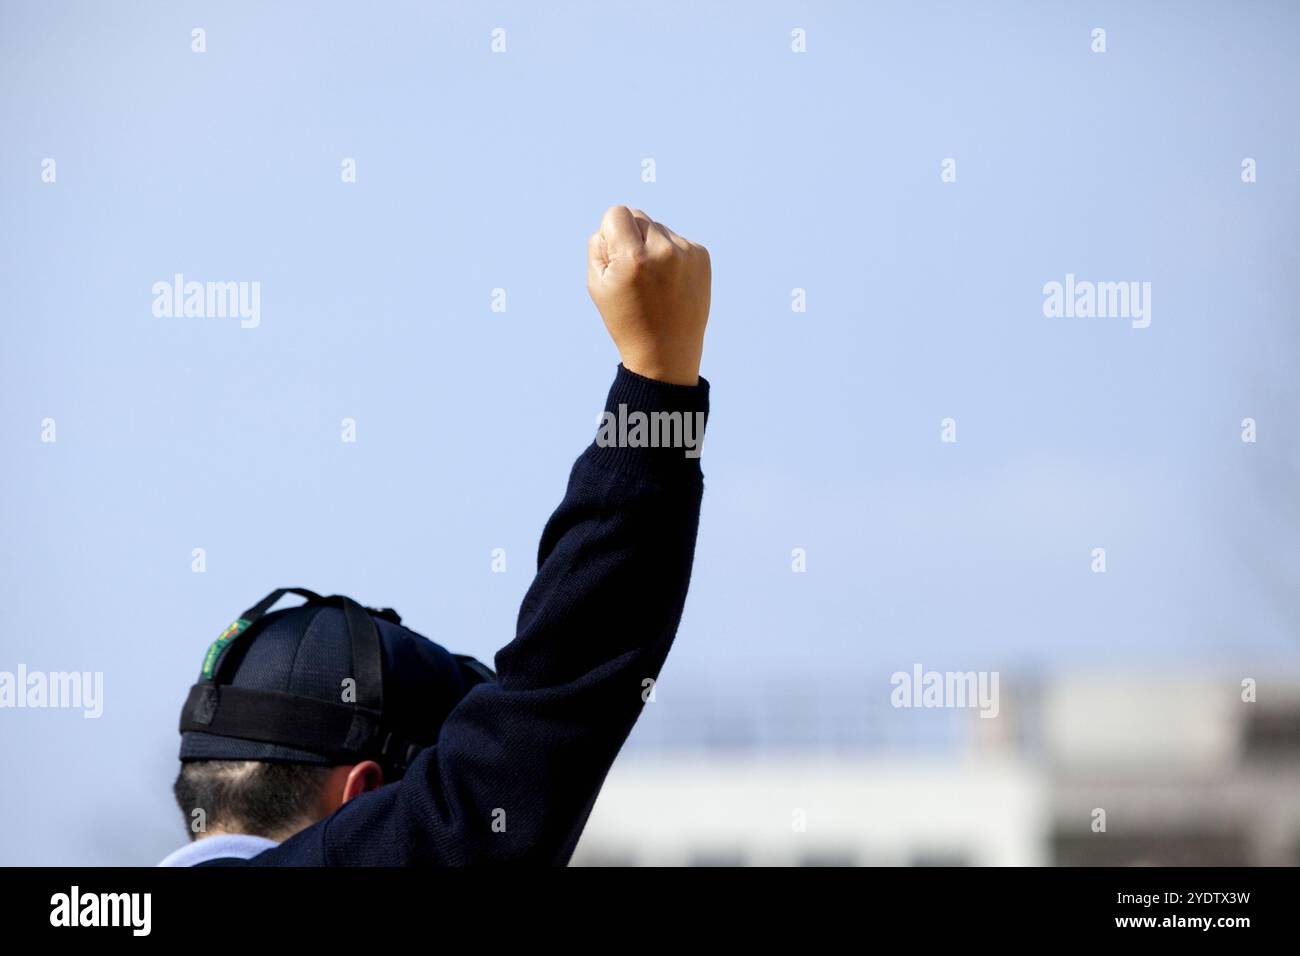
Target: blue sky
{"type": "Point", "coordinates": [478, 170]}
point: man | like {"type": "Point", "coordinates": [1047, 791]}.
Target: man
{"type": "Point", "coordinates": [328, 734]}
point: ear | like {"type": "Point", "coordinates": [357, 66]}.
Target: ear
{"type": "Point", "coordinates": [362, 778]}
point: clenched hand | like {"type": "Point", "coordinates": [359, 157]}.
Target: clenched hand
{"type": "Point", "coordinates": [652, 289]}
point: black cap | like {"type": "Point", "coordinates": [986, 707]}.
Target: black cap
{"type": "Point", "coordinates": [326, 683]}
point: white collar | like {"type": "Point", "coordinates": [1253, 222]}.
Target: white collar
{"type": "Point", "coordinates": [222, 845]}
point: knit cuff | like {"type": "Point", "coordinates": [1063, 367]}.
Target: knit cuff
{"type": "Point", "coordinates": [651, 427]}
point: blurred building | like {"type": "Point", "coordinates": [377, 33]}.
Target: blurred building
{"type": "Point", "coordinates": [1187, 773]}
{"type": "Point", "coordinates": [1072, 772]}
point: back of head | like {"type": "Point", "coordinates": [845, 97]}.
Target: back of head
{"type": "Point", "coordinates": [273, 800]}
{"type": "Point", "coordinates": [285, 697]}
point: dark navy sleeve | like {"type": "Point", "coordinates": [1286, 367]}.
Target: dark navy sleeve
{"type": "Point", "coordinates": [519, 763]}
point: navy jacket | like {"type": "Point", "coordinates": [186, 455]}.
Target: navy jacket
{"type": "Point", "coordinates": [518, 764]}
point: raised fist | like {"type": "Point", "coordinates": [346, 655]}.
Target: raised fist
{"type": "Point", "coordinates": [652, 289]}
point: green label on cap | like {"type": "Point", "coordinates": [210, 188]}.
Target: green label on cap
{"type": "Point", "coordinates": [229, 634]}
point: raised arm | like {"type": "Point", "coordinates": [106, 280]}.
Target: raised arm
{"type": "Point", "coordinates": [519, 763]}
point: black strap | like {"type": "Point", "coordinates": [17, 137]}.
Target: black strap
{"type": "Point", "coordinates": [367, 655]}
{"type": "Point", "coordinates": [273, 717]}
{"type": "Point", "coordinates": [268, 602]}
{"type": "Point", "coordinates": [367, 671]}
{"type": "Point", "coordinates": [343, 732]}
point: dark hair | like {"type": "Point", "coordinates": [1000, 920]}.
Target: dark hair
{"type": "Point", "coordinates": [249, 796]}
